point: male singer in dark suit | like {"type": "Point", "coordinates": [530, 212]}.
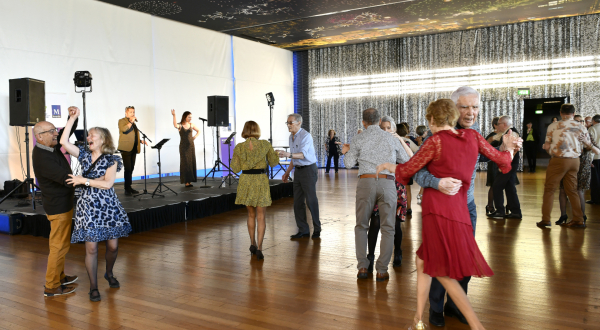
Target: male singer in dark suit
{"type": "Point", "coordinates": [129, 146]}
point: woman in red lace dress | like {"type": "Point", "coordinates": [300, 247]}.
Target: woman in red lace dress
{"type": "Point", "coordinates": [448, 250]}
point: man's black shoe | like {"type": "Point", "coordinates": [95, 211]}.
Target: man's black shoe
{"type": "Point", "coordinates": [497, 215]}
{"type": "Point", "coordinates": [514, 216]}
{"type": "Point", "coordinates": [128, 192]}
{"type": "Point", "coordinates": [316, 234]}
{"type": "Point", "coordinates": [454, 312]}
{"type": "Point", "coordinates": [397, 260]}
{"type": "Point", "coordinates": [133, 191]}
{"type": "Point", "coordinates": [436, 319]}
{"type": "Point", "coordinates": [590, 202]}
{"type": "Point", "coordinates": [299, 235]}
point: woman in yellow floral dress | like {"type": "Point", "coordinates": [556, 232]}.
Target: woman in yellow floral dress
{"type": "Point", "coordinates": [253, 190]}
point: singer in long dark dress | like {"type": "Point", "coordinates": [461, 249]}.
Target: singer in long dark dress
{"type": "Point", "coordinates": [187, 150]}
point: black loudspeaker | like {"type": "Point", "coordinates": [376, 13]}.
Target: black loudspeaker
{"type": "Point", "coordinates": [27, 101]}
{"type": "Point", "coordinates": [218, 111]}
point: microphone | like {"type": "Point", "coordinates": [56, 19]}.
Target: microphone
{"type": "Point", "coordinates": [136, 120]}
{"type": "Point", "coordinates": [202, 119]}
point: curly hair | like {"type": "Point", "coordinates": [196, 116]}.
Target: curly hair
{"type": "Point", "coordinates": [442, 112]}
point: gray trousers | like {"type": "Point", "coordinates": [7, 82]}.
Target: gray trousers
{"type": "Point", "coordinates": [305, 188]}
{"type": "Point", "coordinates": [371, 191]}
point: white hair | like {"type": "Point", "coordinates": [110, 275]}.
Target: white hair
{"type": "Point", "coordinates": [505, 118]}
{"type": "Point", "coordinates": [463, 91]}
{"type": "Point", "coordinates": [296, 116]}
{"type": "Point", "coordinates": [389, 120]}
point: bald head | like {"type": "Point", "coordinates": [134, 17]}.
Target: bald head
{"type": "Point", "coordinates": [46, 134]}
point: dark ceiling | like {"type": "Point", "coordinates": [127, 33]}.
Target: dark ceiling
{"type": "Point", "coordinates": [299, 25]}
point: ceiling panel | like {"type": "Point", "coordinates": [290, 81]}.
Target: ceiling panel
{"type": "Point", "coordinates": [298, 25]}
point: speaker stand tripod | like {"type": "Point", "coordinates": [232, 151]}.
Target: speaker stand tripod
{"type": "Point", "coordinates": [218, 162]}
{"type": "Point", "coordinates": [158, 146]}
{"type": "Point", "coordinates": [28, 182]}
{"type": "Point", "coordinates": [230, 175]}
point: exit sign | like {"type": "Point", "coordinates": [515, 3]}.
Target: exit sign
{"type": "Point", "coordinates": [523, 91]}
{"type": "Point", "coordinates": [539, 112]}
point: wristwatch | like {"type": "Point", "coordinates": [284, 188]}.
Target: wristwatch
{"type": "Point", "coordinates": [87, 183]}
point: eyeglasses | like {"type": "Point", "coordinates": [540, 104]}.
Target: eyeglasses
{"type": "Point", "coordinates": [52, 131]}
{"type": "Point", "coordinates": [581, 121]}
{"type": "Point", "coordinates": [291, 122]}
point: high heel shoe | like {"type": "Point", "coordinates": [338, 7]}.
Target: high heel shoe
{"type": "Point", "coordinates": [259, 255]}
{"type": "Point", "coordinates": [252, 250]}
{"type": "Point", "coordinates": [562, 219]}
{"type": "Point", "coordinates": [418, 326]}
{"type": "Point", "coordinates": [489, 209]}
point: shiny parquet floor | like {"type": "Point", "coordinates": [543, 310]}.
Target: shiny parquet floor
{"type": "Point", "coordinates": [199, 274]}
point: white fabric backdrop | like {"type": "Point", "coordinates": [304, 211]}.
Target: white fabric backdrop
{"type": "Point", "coordinates": [136, 59]}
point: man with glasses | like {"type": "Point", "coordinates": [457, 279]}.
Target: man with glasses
{"type": "Point", "coordinates": [304, 161]}
{"type": "Point", "coordinates": [51, 170]}
{"type": "Point", "coordinates": [129, 146]}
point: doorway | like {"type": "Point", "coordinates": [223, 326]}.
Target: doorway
{"type": "Point", "coordinates": [541, 113]}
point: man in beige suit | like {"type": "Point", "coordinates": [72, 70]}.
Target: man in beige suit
{"type": "Point", "coordinates": [129, 145]}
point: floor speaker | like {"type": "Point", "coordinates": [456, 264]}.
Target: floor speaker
{"type": "Point", "coordinates": [218, 111]}
{"type": "Point", "coordinates": [27, 101]}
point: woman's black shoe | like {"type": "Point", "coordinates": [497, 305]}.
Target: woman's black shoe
{"type": "Point", "coordinates": [112, 281]}
{"type": "Point", "coordinates": [252, 249]}
{"type": "Point", "coordinates": [563, 218]}
{"type": "Point", "coordinates": [397, 260]}
{"type": "Point", "coordinates": [96, 296]}
{"type": "Point", "coordinates": [259, 255]}
{"type": "Point", "coordinates": [408, 212]}
{"type": "Point", "coordinates": [489, 209]}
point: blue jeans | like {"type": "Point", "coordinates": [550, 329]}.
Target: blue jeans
{"type": "Point", "coordinates": [437, 291]}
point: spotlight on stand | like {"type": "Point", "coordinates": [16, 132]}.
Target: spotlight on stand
{"type": "Point", "coordinates": [271, 103]}
{"type": "Point", "coordinates": [83, 81]}
{"type": "Point", "coordinates": [270, 99]}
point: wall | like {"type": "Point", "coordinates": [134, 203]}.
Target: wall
{"type": "Point", "coordinates": [136, 59]}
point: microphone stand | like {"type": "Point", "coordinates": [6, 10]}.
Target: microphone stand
{"type": "Point", "coordinates": [204, 146]}
{"type": "Point", "coordinates": [144, 137]}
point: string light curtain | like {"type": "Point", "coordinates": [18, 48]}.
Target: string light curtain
{"type": "Point", "coordinates": [400, 77]}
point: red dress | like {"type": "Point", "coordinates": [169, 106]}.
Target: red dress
{"type": "Point", "coordinates": [448, 247]}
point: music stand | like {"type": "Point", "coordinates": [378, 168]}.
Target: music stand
{"type": "Point", "coordinates": [144, 137]}
{"type": "Point", "coordinates": [230, 174]}
{"type": "Point", "coordinates": [158, 146]}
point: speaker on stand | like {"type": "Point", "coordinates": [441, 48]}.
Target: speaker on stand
{"type": "Point", "coordinates": [218, 116]}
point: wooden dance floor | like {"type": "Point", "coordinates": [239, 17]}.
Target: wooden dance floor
{"type": "Point", "coordinates": [198, 274]}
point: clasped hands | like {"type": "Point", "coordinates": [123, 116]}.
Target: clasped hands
{"type": "Point", "coordinates": [282, 153]}
{"type": "Point", "coordinates": [448, 186]}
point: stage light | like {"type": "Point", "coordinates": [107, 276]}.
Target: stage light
{"type": "Point", "coordinates": [83, 79]}
{"type": "Point", "coordinates": [270, 98]}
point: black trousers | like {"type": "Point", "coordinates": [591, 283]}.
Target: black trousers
{"type": "Point", "coordinates": [305, 193]}
{"type": "Point", "coordinates": [128, 164]}
{"type": "Point", "coordinates": [595, 183]}
{"type": "Point", "coordinates": [374, 226]}
{"type": "Point", "coordinates": [506, 183]}
{"type": "Point", "coordinates": [336, 158]}
{"type": "Point", "coordinates": [531, 153]}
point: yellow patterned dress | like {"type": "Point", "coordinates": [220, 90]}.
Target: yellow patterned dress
{"type": "Point", "coordinates": [253, 189]}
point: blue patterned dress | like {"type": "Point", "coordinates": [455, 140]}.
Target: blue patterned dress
{"type": "Point", "coordinates": [99, 214]}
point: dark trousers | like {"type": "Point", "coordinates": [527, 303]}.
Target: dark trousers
{"type": "Point", "coordinates": [128, 164]}
{"type": "Point", "coordinates": [595, 183]}
{"type": "Point", "coordinates": [437, 291]}
{"type": "Point", "coordinates": [305, 192]}
{"type": "Point", "coordinates": [336, 158]}
{"type": "Point", "coordinates": [374, 226]}
{"type": "Point", "coordinates": [531, 153]}
{"type": "Point", "coordinates": [506, 183]}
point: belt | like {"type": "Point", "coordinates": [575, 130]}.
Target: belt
{"type": "Point", "coordinates": [380, 176]}
{"type": "Point", "coordinates": [259, 171]}
{"type": "Point", "coordinates": [302, 166]}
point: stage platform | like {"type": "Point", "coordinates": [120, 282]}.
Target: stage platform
{"type": "Point", "coordinates": [147, 213]}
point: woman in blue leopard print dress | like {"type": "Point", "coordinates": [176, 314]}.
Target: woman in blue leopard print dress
{"type": "Point", "coordinates": [99, 215]}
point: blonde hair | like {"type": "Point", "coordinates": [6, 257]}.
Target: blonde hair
{"type": "Point", "coordinates": [251, 129]}
{"type": "Point", "coordinates": [108, 146]}
{"type": "Point", "coordinates": [442, 112]}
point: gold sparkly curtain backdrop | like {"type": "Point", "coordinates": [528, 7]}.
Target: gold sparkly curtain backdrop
{"type": "Point", "coordinates": [532, 41]}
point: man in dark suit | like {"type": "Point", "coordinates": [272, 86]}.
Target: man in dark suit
{"type": "Point", "coordinates": [129, 146]}
{"type": "Point", "coordinates": [532, 138]}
